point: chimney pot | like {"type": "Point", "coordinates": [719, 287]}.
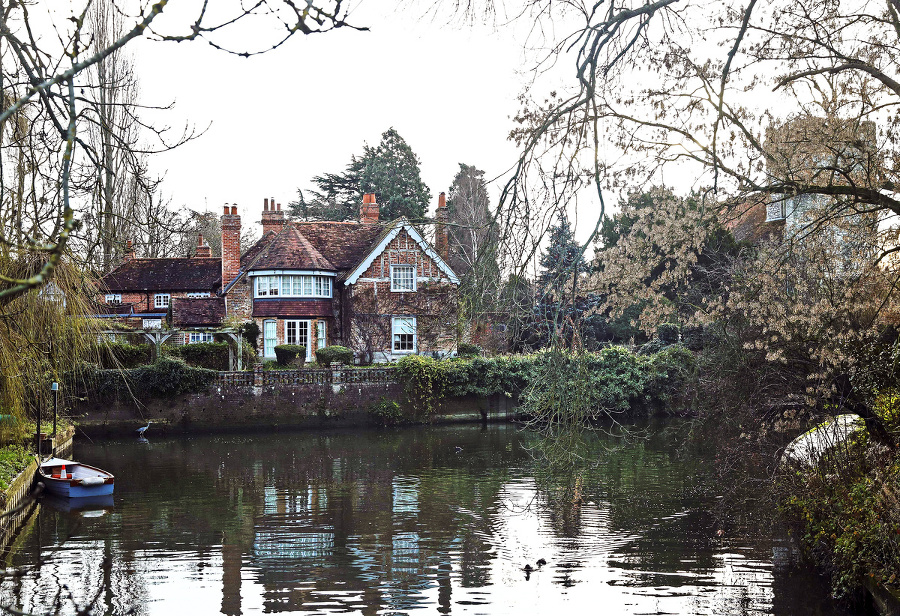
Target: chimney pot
{"type": "Point", "coordinates": [234, 210]}
{"type": "Point", "coordinates": [265, 205]}
{"type": "Point", "coordinates": [199, 239]}
{"type": "Point", "coordinates": [442, 201]}
{"type": "Point", "coordinates": [368, 211]}
{"type": "Point", "coordinates": [279, 207]}
{"type": "Point", "coordinates": [226, 210]}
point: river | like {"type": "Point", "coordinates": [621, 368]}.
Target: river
{"type": "Point", "coordinates": [433, 520]}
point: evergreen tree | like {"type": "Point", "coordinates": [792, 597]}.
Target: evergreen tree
{"type": "Point", "coordinates": [472, 237]}
{"type": "Point", "coordinates": [562, 259]}
{"type": "Point", "coordinates": [390, 170]}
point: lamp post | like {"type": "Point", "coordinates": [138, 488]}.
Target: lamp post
{"type": "Point", "coordinates": [55, 389]}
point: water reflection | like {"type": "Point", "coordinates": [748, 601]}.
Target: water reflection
{"type": "Point", "coordinates": [395, 522]}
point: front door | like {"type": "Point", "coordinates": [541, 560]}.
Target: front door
{"type": "Point", "coordinates": [297, 332]}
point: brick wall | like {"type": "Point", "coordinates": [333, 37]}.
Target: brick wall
{"type": "Point", "coordinates": [434, 303]}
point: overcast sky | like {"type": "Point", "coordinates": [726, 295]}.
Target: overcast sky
{"type": "Point", "coordinates": [278, 119]}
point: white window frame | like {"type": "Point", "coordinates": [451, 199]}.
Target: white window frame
{"type": "Point", "coordinates": [113, 298]}
{"type": "Point", "coordinates": [197, 294]}
{"type": "Point", "coordinates": [298, 323]}
{"type": "Point", "coordinates": [395, 270]}
{"type": "Point", "coordinates": [151, 323]}
{"type": "Point", "coordinates": [397, 325]}
{"type": "Point", "coordinates": [293, 285]}
{"type": "Point", "coordinates": [198, 337]}
{"type": "Point", "coordinates": [162, 300]}
{"type": "Point", "coordinates": [269, 349]}
{"type": "Point", "coordinates": [321, 334]}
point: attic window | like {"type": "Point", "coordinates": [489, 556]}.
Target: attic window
{"type": "Point", "coordinates": [197, 295]}
{"type": "Point", "coordinates": [403, 278]}
{"type": "Point", "coordinates": [161, 300]}
{"type": "Point", "coordinates": [113, 298]}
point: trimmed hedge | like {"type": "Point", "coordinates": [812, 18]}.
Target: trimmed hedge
{"type": "Point", "coordinates": [286, 354]}
{"type": "Point", "coordinates": [122, 354]}
{"type": "Point", "coordinates": [467, 349]}
{"type": "Point", "coordinates": [333, 353]}
{"type": "Point", "coordinates": [169, 376]}
{"type": "Point", "coordinates": [211, 355]}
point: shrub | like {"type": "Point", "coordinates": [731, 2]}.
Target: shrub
{"type": "Point", "coordinates": [467, 349]}
{"type": "Point", "coordinates": [124, 355]}
{"type": "Point", "coordinates": [668, 333]}
{"type": "Point", "coordinates": [693, 337]}
{"type": "Point", "coordinates": [387, 413]}
{"type": "Point", "coordinates": [334, 353]}
{"type": "Point", "coordinates": [290, 353]}
{"type": "Point", "coordinates": [211, 355]}
{"type": "Point", "coordinates": [169, 376]}
{"type": "Point", "coordinates": [250, 331]}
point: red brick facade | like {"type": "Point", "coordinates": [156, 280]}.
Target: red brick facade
{"type": "Point", "coordinates": [365, 311]}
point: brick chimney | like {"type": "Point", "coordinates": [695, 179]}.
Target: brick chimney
{"type": "Point", "coordinates": [231, 244]}
{"type": "Point", "coordinates": [441, 230]}
{"type": "Point", "coordinates": [272, 217]}
{"type": "Point", "coordinates": [203, 249]}
{"type": "Point", "coordinates": [368, 212]}
{"type": "Point", "coordinates": [129, 252]}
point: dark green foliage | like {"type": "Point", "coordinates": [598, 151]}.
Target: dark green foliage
{"type": "Point", "coordinates": [124, 355]}
{"type": "Point", "coordinates": [287, 353]}
{"type": "Point", "coordinates": [387, 413]}
{"type": "Point", "coordinates": [211, 355]}
{"type": "Point", "coordinates": [614, 380]}
{"type": "Point", "coordinates": [334, 353]}
{"type": "Point", "coordinates": [668, 333]}
{"type": "Point", "coordinates": [13, 460]}
{"type": "Point", "coordinates": [390, 170]}
{"type": "Point", "coordinates": [250, 331]}
{"type": "Point", "coordinates": [692, 337]}
{"type": "Point", "coordinates": [169, 376]}
{"type": "Point", "coordinates": [562, 259]}
{"type": "Point", "coordinates": [467, 349]}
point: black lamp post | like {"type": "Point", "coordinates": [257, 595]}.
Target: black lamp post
{"type": "Point", "coordinates": [55, 388]}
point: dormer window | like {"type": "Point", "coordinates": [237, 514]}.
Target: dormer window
{"type": "Point", "coordinates": [161, 300]}
{"type": "Point", "coordinates": [403, 278]}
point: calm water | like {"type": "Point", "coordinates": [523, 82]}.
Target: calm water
{"type": "Point", "coordinates": [395, 522]}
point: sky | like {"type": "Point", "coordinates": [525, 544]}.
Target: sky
{"type": "Point", "coordinates": [274, 121]}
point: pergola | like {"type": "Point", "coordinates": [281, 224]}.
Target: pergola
{"type": "Point", "coordinates": [157, 337]}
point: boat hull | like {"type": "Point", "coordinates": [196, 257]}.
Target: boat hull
{"type": "Point", "coordinates": [79, 480]}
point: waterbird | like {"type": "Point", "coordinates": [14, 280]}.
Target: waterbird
{"type": "Point", "coordinates": [143, 429]}
{"type": "Point", "coordinates": [458, 449]}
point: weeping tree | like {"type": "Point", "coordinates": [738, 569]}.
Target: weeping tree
{"type": "Point", "coordinates": [44, 335]}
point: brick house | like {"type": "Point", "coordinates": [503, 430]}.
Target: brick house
{"type": "Point", "coordinates": [379, 288]}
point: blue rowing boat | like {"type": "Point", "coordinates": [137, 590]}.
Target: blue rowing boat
{"type": "Point", "coordinates": [74, 480]}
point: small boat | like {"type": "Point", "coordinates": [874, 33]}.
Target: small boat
{"type": "Point", "coordinates": [74, 480]}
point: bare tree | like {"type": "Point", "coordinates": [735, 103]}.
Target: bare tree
{"type": "Point", "coordinates": [43, 85]}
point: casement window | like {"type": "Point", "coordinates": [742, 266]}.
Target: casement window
{"type": "Point", "coordinates": [291, 285]}
{"type": "Point", "coordinates": [297, 332]}
{"type": "Point", "coordinates": [113, 298]}
{"type": "Point", "coordinates": [152, 323]}
{"type": "Point", "coordinates": [161, 300]}
{"type": "Point", "coordinates": [269, 339]}
{"type": "Point", "coordinates": [403, 333]}
{"type": "Point", "coordinates": [403, 278]}
{"type": "Point", "coordinates": [197, 295]}
{"type": "Point", "coordinates": [197, 337]}
{"type": "Point", "coordinates": [321, 342]}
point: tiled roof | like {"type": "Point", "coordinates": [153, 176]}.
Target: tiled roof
{"type": "Point", "coordinates": [344, 244]}
{"type": "Point", "coordinates": [292, 308]}
{"type": "Point", "coordinates": [193, 274]}
{"type": "Point", "coordinates": [291, 250]}
{"type": "Point", "coordinates": [199, 311]}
